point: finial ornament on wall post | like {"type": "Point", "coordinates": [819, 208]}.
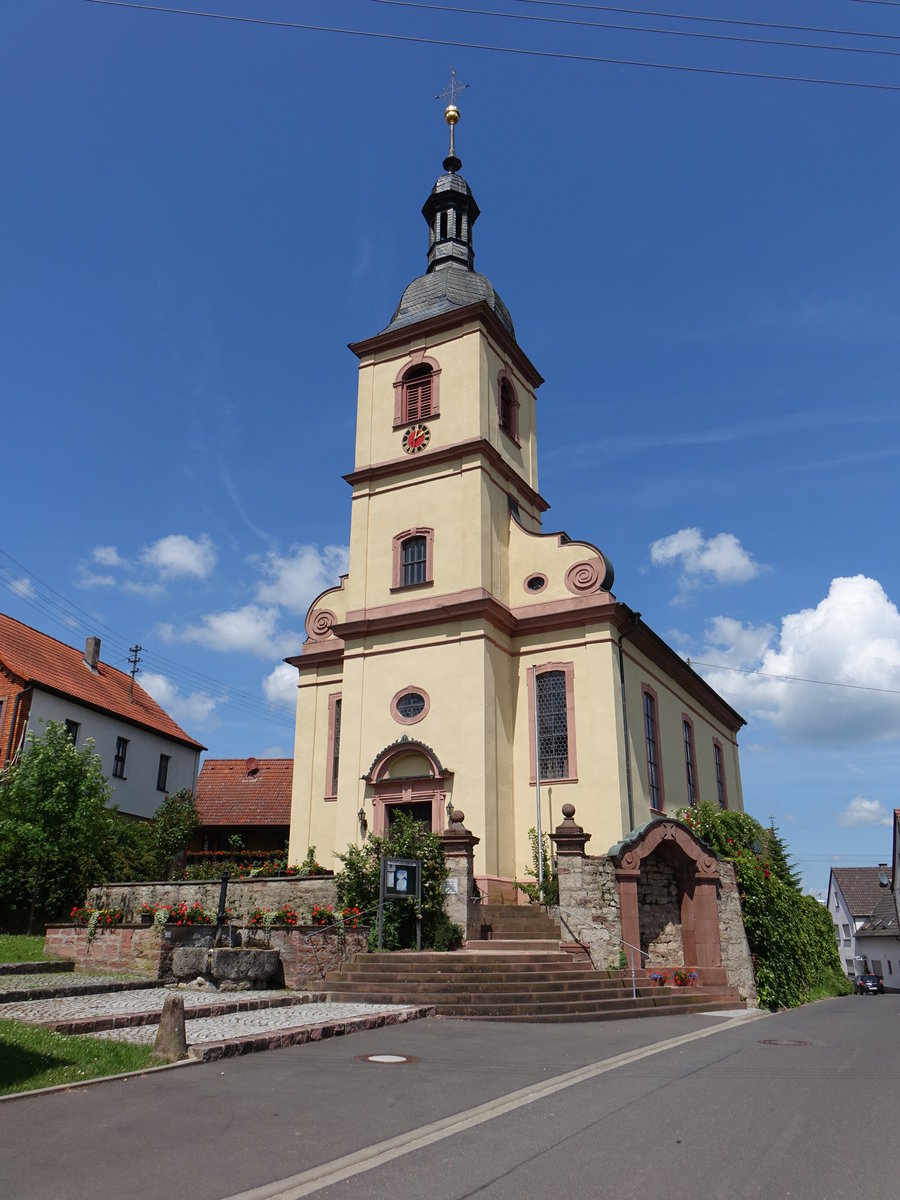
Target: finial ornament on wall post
{"type": "Point", "coordinates": [451, 116]}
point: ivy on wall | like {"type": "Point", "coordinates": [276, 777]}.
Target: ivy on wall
{"type": "Point", "coordinates": [790, 934]}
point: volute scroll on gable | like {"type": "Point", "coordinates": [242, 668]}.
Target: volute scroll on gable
{"type": "Point", "coordinates": [327, 610]}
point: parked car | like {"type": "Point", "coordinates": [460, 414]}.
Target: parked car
{"type": "Point", "coordinates": [867, 985]}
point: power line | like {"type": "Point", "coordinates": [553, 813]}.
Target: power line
{"type": "Point", "coordinates": [680, 33]}
{"type": "Point", "coordinates": [62, 614]}
{"type": "Point", "coordinates": [858, 687]}
{"type": "Point", "coordinates": [495, 49]}
{"type": "Point", "coordinates": [743, 23]}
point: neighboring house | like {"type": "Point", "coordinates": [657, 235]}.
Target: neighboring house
{"type": "Point", "coordinates": [862, 902]}
{"type": "Point", "coordinates": [145, 754]}
{"type": "Point", "coordinates": [469, 654]}
{"type": "Point", "coordinates": [250, 798]}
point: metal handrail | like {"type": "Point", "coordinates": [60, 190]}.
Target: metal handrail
{"type": "Point", "coordinates": [584, 945]}
{"type": "Point", "coordinates": [632, 948]}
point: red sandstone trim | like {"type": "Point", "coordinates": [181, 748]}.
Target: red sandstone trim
{"type": "Point", "coordinates": [330, 781]}
{"type": "Point", "coordinates": [440, 454]}
{"type": "Point", "coordinates": [422, 330]}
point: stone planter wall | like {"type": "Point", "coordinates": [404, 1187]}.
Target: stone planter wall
{"type": "Point", "coordinates": [308, 953]}
{"type": "Point", "coordinates": [243, 894]}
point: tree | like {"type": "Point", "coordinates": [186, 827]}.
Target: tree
{"type": "Point", "coordinates": [56, 828]}
{"type": "Point", "coordinates": [359, 882]}
{"type": "Point", "coordinates": [176, 822]}
{"type": "Point", "coordinates": [790, 934]}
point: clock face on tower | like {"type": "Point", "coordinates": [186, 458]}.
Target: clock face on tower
{"type": "Point", "coordinates": [416, 439]}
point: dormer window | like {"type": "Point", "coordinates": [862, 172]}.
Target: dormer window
{"type": "Point", "coordinates": [416, 392]}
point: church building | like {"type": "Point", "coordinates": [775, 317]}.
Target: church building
{"type": "Point", "coordinates": [469, 655]}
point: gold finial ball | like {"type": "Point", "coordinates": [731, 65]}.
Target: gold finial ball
{"type": "Point", "coordinates": [451, 114]}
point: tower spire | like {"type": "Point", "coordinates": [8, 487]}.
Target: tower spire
{"type": "Point", "coordinates": [451, 116]}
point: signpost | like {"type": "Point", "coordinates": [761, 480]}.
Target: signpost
{"type": "Point", "coordinates": [401, 879]}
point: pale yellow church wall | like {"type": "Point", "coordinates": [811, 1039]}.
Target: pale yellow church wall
{"type": "Point", "coordinates": [672, 703]}
{"type": "Point", "coordinates": [469, 365]}
{"type": "Point", "coordinates": [312, 821]}
{"type": "Point", "coordinates": [542, 553]}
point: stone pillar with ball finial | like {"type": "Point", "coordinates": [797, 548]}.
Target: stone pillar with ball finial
{"type": "Point", "coordinates": [461, 902]}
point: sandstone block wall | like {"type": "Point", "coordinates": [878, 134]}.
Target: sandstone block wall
{"type": "Point", "coordinates": [735, 951]}
{"type": "Point", "coordinates": [659, 909]}
{"type": "Point", "coordinates": [243, 894]}
{"type": "Point", "coordinates": [589, 907]}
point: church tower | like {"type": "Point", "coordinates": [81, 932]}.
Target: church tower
{"type": "Point", "coordinates": [417, 681]}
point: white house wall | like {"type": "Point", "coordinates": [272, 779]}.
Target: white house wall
{"type": "Point", "coordinates": [136, 794]}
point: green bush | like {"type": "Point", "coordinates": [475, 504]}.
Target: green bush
{"type": "Point", "coordinates": [358, 884]}
{"type": "Point", "coordinates": [790, 934]}
{"type": "Point", "coordinates": [549, 894]}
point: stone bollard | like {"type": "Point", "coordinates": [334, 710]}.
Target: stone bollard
{"type": "Point", "coordinates": [171, 1044]}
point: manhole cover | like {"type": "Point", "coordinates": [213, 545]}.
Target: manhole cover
{"type": "Point", "coordinates": [387, 1058]}
{"type": "Point", "coordinates": [781, 1042]}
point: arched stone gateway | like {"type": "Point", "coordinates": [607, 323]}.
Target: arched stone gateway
{"type": "Point", "coordinates": [407, 776]}
{"type": "Point", "coordinates": [666, 877]}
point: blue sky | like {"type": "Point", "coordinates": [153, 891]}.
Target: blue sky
{"type": "Point", "coordinates": [199, 215]}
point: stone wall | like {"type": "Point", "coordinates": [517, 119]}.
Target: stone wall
{"type": "Point", "coordinates": [307, 953]}
{"type": "Point", "coordinates": [243, 894]}
{"type": "Point", "coordinates": [735, 951]}
{"type": "Point", "coordinates": [659, 910]}
{"type": "Point", "coordinates": [589, 907]}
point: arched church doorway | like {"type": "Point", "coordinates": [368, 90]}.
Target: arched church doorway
{"type": "Point", "coordinates": [407, 777]}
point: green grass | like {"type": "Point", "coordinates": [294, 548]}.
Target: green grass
{"type": "Point", "coordinates": [16, 947]}
{"type": "Point", "coordinates": [32, 1057]}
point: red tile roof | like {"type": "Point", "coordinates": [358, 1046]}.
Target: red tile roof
{"type": "Point", "coordinates": [36, 658]}
{"type": "Point", "coordinates": [228, 793]}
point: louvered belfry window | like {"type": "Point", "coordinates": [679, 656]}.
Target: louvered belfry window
{"type": "Point", "coordinates": [553, 725]}
{"type": "Point", "coordinates": [417, 394]}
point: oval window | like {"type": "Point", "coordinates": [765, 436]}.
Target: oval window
{"type": "Point", "coordinates": [536, 583]}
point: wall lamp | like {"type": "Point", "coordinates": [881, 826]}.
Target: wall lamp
{"type": "Point", "coordinates": [363, 823]}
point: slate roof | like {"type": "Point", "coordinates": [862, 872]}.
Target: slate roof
{"type": "Point", "coordinates": [228, 793]}
{"type": "Point", "coordinates": [883, 921]}
{"type": "Point", "coordinates": [35, 658]}
{"type": "Point", "coordinates": [860, 888]}
{"type": "Point", "coordinates": [449, 286]}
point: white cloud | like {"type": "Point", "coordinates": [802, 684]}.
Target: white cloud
{"type": "Point", "coordinates": [851, 638]}
{"type": "Point", "coordinates": [251, 629]}
{"type": "Point", "coordinates": [106, 556]}
{"type": "Point", "coordinates": [721, 558]}
{"type": "Point", "coordinates": [196, 708]}
{"type": "Point", "coordinates": [294, 580]}
{"type": "Point", "coordinates": [177, 555]}
{"type": "Point", "coordinates": [280, 687]}
{"type": "Point", "coordinates": [90, 579]}
{"type": "Point", "coordinates": [22, 588]}
{"type": "Point", "coordinates": [864, 812]}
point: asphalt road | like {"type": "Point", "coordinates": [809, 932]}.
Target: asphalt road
{"type": "Point", "coordinates": [660, 1107]}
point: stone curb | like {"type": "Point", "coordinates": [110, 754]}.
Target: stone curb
{"type": "Point", "coordinates": [84, 1083]}
{"type": "Point", "coordinates": [277, 1039]}
{"type": "Point", "coordinates": [53, 966]}
{"type": "Point", "coordinates": [74, 989]}
{"type": "Point", "coordinates": [220, 1008]}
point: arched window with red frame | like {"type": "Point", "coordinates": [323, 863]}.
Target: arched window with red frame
{"type": "Point", "coordinates": [416, 391]}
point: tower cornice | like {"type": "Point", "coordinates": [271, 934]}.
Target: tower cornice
{"type": "Point", "coordinates": [406, 335]}
{"type": "Point", "coordinates": [442, 454]}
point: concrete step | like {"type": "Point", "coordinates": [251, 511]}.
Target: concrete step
{"type": "Point", "coordinates": [513, 945]}
{"type": "Point", "coordinates": [501, 1007]}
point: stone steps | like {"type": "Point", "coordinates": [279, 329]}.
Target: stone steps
{"type": "Point", "coordinates": [546, 985]}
